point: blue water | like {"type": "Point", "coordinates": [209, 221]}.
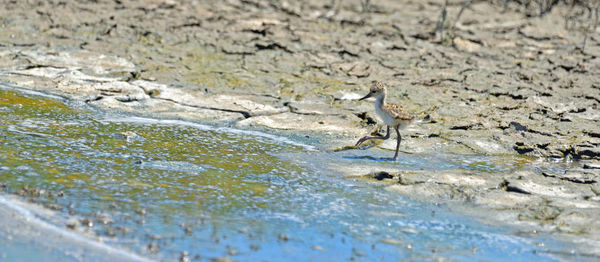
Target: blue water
{"type": "Point", "coordinates": [176, 187]}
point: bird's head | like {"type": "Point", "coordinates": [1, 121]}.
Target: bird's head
{"type": "Point", "coordinates": [377, 89]}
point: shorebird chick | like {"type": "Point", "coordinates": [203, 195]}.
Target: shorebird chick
{"type": "Point", "coordinates": [392, 115]}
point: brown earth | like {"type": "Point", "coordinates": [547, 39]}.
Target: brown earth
{"type": "Point", "coordinates": [503, 80]}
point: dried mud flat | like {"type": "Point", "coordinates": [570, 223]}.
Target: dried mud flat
{"type": "Point", "coordinates": [503, 81]}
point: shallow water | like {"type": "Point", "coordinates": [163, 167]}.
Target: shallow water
{"type": "Point", "coordinates": [162, 187]}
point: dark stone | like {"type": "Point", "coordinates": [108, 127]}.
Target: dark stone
{"type": "Point", "coordinates": [517, 126]}
{"type": "Point", "coordinates": [382, 175]}
{"type": "Point", "coordinates": [521, 148]}
{"type": "Point", "coordinates": [505, 185]}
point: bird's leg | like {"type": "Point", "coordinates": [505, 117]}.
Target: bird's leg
{"type": "Point", "coordinates": [374, 137]}
{"type": "Point", "coordinates": [397, 144]}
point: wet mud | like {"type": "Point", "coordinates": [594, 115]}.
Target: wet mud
{"type": "Point", "coordinates": [508, 81]}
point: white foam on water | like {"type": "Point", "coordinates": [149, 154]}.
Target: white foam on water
{"type": "Point", "coordinates": [146, 120]}
{"type": "Point", "coordinates": [181, 166]}
{"type": "Point", "coordinates": [33, 219]}
{"type": "Point", "coordinates": [276, 138]}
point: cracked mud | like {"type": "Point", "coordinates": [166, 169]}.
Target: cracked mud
{"type": "Point", "coordinates": [504, 83]}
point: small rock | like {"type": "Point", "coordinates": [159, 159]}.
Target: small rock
{"type": "Point", "coordinates": [87, 222]}
{"type": "Point", "coordinates": [517, 126]}
{"type": "Point", "coordinates": [232, 251]}
{"type": "Point", "coordinates": [505, 185]}
{"type": "Point", "coordinates": [187, 229]}
{"type": "Point", "coordinates": [184, 257]}
{"type": "Point", "coordinates": [153, 248]}
{"type": "Point", "coordinates": [283, 237]}
{"type": "Point", "coordinates": [317, 247]}
{"type": "Point", "coordinates": [521, 148]}
{"type": "Point", "coordinates": [72, 223]}
{"type": "Point", "coordinates": [382, 175]}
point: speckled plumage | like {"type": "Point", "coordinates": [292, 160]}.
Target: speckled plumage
{"type": "Point", "coordinates": [400, 116]}
{"type": "Point", "coordinates": [392, 115]}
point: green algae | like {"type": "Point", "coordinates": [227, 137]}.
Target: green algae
{"type": "Point", "coordinates": [46, 144]}
{"type": "Point", "coordinates": [173, 188]}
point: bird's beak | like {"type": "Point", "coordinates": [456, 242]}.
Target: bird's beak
{"type": "Point", "coordinates": [367, 96]}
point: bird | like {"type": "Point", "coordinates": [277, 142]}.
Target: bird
{"type": "Point", "coordinates": [392, 115]}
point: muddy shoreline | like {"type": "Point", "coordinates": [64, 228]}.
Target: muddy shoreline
{"type": "Point", "coordinates": [506, 83]}
{"type": "Point", "coordinates": [21, 226]}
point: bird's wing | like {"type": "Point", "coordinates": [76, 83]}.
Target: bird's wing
{"type": "Point", "coordinates": [399, 112]}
